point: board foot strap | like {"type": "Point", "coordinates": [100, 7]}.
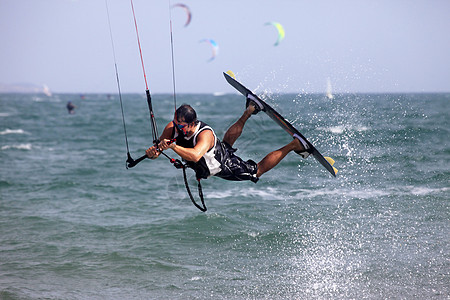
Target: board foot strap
{"type": "Point", "coordinates": [258, 106]}
{"type": "Point", "coordinates": [307, 151]}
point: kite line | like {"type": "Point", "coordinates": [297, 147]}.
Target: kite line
{"type": "Point", "coordinates": [117, 78]}
{"type": "Point", "coordinates": [130, 161]}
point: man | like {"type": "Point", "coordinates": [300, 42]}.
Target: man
{"type": "Point", "coordinates": [198, 145]}
{"type": "Point", "coordinates": [70, 107]}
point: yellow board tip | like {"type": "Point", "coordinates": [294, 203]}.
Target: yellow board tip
{"type": "Point", "coordinates": [335, 170]}
{"type": "Point", "coordinates": [330, 160]}
{"type": "Point", "coordinates": [229, 72]}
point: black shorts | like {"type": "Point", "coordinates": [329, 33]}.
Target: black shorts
{"type": "Point", "coordinates": [234, 168]}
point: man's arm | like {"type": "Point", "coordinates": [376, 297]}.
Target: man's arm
{"type": "Point", "coordinates": [205, 141]}
{"type": "Point", "coordinates": [153, 152]}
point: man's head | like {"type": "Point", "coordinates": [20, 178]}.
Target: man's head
{"type": "Point", "coordinates": [185, 118]}
{"type": "Point", "coordinates": [185, 113]}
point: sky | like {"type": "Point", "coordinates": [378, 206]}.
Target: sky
{"type": "Point", "coordinates": [362, 46]}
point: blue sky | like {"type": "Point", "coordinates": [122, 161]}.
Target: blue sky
{"type": "Point", "coordinates": [362, 46]}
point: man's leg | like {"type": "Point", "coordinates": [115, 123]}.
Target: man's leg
{"type": "Point", "coordinates": [235, 130]}
{"type": "Point", "coordinates": [273, 158]}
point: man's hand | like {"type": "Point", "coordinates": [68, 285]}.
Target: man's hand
{"type": "Point", "coordinates": [152, 152]}
{"type": "Point", "coordinates": [166, 144]}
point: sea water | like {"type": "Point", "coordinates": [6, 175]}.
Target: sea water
{"type": "Point", "coordinates": [76, 224]}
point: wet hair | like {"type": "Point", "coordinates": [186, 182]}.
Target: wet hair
{"type": "Point", "coordinates": [185, 113]}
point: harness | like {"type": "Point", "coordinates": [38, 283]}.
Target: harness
{"type": "Point", "coordinates": [180, 165]}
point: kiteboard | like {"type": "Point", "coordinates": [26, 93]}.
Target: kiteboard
{"type": "Point", "coordinates": [327, 162]}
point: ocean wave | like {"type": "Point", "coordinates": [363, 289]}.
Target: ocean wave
{"type": "Point", "coordinates": [273, 193]}
{"type": "Point", "coordinates": [352, 193]}
{"type": "Point", "coordinates": [13, 131]}
{"type": "Point", "coordinates": [421, 191]}
{"type": "Point", "coordinates": [280, 193]}
{"type": "Point", "coordinates": [18, 147]}
{"type": "Point", "coordinates": [46, 99]}
{"type": "Point", "coordinates": [340, 129]}
{"type": "Point", "coordinates": [268, 193]}
{"type": "Point", "coordinates": [367, 193]}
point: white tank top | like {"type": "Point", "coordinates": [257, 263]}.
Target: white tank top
{"type": "Point", "coordinates": [208, 165]}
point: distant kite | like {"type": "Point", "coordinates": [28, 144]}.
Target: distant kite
{"type": "Point", "coordinates": [187, 10]}
{"type": "Point", "coordinates": [215, 48]}
{"type": "Point", "coordinates": [280, 30]}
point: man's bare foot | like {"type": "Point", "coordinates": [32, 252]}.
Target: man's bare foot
{"type": "Point", "coordinates": [250, 108]}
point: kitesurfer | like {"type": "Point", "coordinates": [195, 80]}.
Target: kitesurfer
{"type": "Point", "coordinates": [70, 107]}
{"type": "Point", "coordinates": [200, 148]}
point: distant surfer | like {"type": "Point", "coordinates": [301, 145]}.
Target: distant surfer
{"type": "Point", "coordinates": [198, 145]}
{"type": "Point", "coordinates": [70, 107]}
